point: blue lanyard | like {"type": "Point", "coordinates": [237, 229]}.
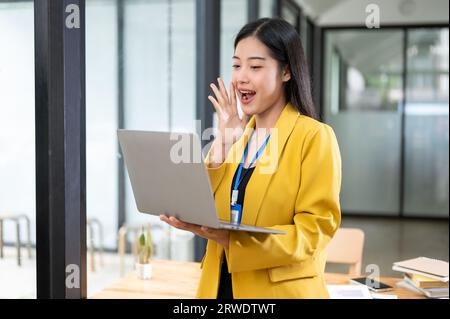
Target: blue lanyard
{"type": "Point", "coordinates": [238, 180]}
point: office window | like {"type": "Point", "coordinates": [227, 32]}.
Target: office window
{"type": "Point", "coordinates": [291, 14]}
{"type": "Point", "coordinates": [426, 123]}
{"type": "Point", "coordinates": [368, 66]}
{"type": "Point", "coordinates": [390, 152]}
{"type": "Point", "coordinates": [363, 96]}
{"type": "Point", "coordinates": [101, 116]}
{"type": "Point", "coordinates": [17, 147]}
{"type": "Point", "coordinates": [159, 68]}
{"type": "Point", "coordinates": [266, 8]}
{"type": "Point", "coordinates": [101, 143]}
{"type": "Point", "coordinates": [233, 18]}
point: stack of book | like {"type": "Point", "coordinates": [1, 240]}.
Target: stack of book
{"type": "Point", "coordinates": [424, 275]}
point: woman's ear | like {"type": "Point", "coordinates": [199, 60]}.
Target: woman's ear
{"type": "Point", "coordinates": [286, 76]}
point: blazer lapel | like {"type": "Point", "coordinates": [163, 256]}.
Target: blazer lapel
{"type": "Point", "coordinates": [267, 164]}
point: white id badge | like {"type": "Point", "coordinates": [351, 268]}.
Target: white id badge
{"type": "Point", "coordinates": [234, 196]}
{"type": "Point", "coordinates": [236, 214]}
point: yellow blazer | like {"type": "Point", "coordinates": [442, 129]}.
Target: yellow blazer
{"type": "Point", "coordinates": [299, 196]}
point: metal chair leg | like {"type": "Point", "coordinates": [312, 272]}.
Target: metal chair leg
{"type": "Point", "coordinates": [27, 220]}
{"type": "Point", "coordinates": [100, 237]}
{"type": "Point", "coordinates": [100, 234]}
{"type": "Point", "coordinates": [1, 238]}
{"type": "Point", "coordinates": [91, 246]}
{"type": "Point", "coordinates": [19, 263]}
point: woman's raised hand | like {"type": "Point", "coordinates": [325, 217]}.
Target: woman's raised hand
{"type": "Point", "coordinates": [230, 126]}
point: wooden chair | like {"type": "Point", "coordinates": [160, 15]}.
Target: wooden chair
{"type": "Point", "coordinates": [346, 247]}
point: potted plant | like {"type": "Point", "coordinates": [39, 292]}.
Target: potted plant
{"type": "Point", "coordinates": [145, 253]}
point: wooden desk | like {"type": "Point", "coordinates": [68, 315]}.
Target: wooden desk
{"type": "Point", "coordinates": [174, 279]}
{"type": "Point", "coordinates": [170, 280]}
{"type": "Point", "coordinates": [343, 279]}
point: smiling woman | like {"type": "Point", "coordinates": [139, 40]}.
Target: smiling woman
{"type": "Point", "coordinates": [257, 77]}
{"type": "Point", "coordinates": [300, 196]}
{"type": "Point", "coordinates": [279, 52]}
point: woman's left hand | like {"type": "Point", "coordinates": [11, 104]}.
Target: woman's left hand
{"type": "Point", "coordinates": [221, 236]}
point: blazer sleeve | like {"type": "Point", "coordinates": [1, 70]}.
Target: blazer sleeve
{"type": "Point", "coordinates": [316, 217]}
{"type": "Point", "coordinates": [215, 174]}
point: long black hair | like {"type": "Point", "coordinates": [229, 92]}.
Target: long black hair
{"type": "Point", "coordinates": [286, 47]}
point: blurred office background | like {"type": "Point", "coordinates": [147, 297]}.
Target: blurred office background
{"type": "Point", "coordinates": [384, 91]}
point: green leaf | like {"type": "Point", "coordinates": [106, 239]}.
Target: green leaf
{"type": "Point", "coordinates": [142, 240]}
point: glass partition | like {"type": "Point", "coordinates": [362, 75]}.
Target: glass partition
{"type": "Point", "coordinates": [363, 96]}
{"type": "Point", "coordinates": [159, 68]}
{"type": "Point", "coordinates": [426, 123]}
{"type": "Point", "coordinates": [156, 76]}
{"type": "Point", "coordinates": [390, 153]}
{"type": "Point", "coordinates": [17, 152]}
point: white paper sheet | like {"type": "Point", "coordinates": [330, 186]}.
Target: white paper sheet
{"type": "Point", "coordinates": [349, 292]}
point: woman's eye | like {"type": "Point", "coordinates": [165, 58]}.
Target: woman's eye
{"type": "Point", "coordinates": [256, 67]}
{"type": "Point", "coordinates": [235, 66]}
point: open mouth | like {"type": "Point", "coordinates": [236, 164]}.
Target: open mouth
{"type": "Point", "coordinates": [247, 96]}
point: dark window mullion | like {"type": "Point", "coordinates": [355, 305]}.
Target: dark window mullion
{"type": "Point", "coordinates": [60, 150]}
{"type": "Point", "coordinates": [207, 71]}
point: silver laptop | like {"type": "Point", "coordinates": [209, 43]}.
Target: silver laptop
{"type": "Point", "coordinates": [168, 176]}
